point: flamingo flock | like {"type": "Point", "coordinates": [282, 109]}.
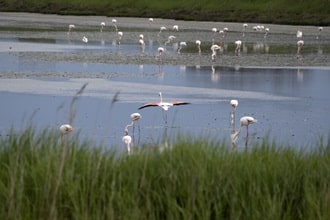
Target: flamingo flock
{"type": "Point", "coordinates": [217, 38]}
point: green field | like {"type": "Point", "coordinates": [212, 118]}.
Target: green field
{"type": "Point", "coordinates": [307, 12]}
{"type": "Point", "coordinates": [41, 178]}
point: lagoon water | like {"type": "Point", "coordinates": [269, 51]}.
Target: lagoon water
{"type": "Point", "coordinates": [38, 87]}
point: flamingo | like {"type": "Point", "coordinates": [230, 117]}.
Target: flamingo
{"type": "Point", "coordinates": [160, 52]}
{"type": "Point", "coordinates": [175, 28]}
{"type": "Point", "coordinates": [102, 25]}
{"type": "Point", "coordinates": [320, 30]}
{"type": "Point", "coordinates": [300, 43]}
{"type": "Point", "coordinates": [135, 117]}
{"type": "Point", "coordinates": [266, 32]}
{"type": "Point", "coordinates": [169, 39]}
{"type": "Point", "coordinates": [114, 22]}
{"type": "Point", "coordinates": [85, 39]}
{"type": "Point", "coordinates": [244, 29]}
{"type": "Point", "coordinates": [238, 47]}
{"type": "Point", "coordinates": [71, 26]}
{"type": "Point", "coordinates": [164, 105]}
{"type": "Point", "coordinates": [127, 141]}
{"type": "Point", "coordinates": [64, 130]}
{"type": "Point", "coordinates": [141, 42]}
{"type": "Point", "coordinates": [214, 49]}
{"type": "Point", "coordinates": [182, 44]}
{"type": "Point", "coordinates": [214, 30]}
{"type": "Point", "coordinates": [119, 35]}
{"type": "Point", "coordinates": [162, 28]}
{"type": "Point", "coordinates": [198, 43]}
{"type": "Point", "coordinates": [234, 104]}
{"type": "Point", "coordinates": [299, 34]}
{"type": "Point", "coordinates": [245, 121]}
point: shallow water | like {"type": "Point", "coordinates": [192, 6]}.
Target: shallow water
{"type": "Point", "coordinates": [41, 73]}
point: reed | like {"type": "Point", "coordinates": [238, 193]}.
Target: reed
{"type": "Point", "coordinates": [190, 180]}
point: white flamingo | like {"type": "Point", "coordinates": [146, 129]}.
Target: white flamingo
{"type": "Point", "coordinates": [65, 129]}
{"type": "Point", "coordinates": [169, 39]}
{"type": "Point", "coordinates": [127, 141]}
{"type": "Point", "coordinates": [299, 34]}
{"type": "Point", "coordinates": [161, 29]}
{"type": "Point", "coordinates": [164, 105]}
{"type": "Point", "coordinates": [245, 121]}
{"type": "Point", "coordinates": [120, 36]}
{"type": "Point", "coordinates": [175, 28]}
{"type": "Point", "coordinates": [238, 44]}
{"type": "Point", "coordinates": [182, 44]}
{"type": "Point", "coordinates": [102, 25]}
{"type": "Point", "coordinates": [300, 43]}
{"type": "Point", "coordinates": [234, 104]}
{"type": "Point", "coordinates": [198, 43]}
{"type": "Point", "coordinates": [244, 29]}
{"type": "Point", "coordinates": [71, 27]}
{"type": "Point", "coordinates": [85, 40]}
{"type": "Point", "coordinates": [141, 42]}
{"type": "Point", "coordinates": [214, 49]}
{"type": "Point", "coordinates": [114, 22]}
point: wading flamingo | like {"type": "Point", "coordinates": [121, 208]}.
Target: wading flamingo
{"type": "Point", "coordinates": [119, 35]}
{"type": "Point", "coordinates": [198, 43]}
{"type": "Point", "coordinates": [127, 141]}
{"type": "Point", "coordinates": [135, 117]}
{"type": "Point", "coordinates": [169, 39]}
{"type": "Point", "coordinates": [161, 29]}
{"type": "Point", "coordinates": [141, 42]}
{"type": "Point", "coordinates": [164, 105]}
{"type": "Point", "coordinates": [244, 29]}
{"type": "Point", "coordinates": [234, 104]}
{"type": "Point", "coordinates": [102, 25]}
{"type": "Point", "coordinates": [182, 44]}
{"type": "Point", "coordinates": [214, 49]}
{"type": "Point", "coordinates": [299, 34]}
{"type": "Point", "coordinates": [65, 129]}
{"type": "Point", "coordinates": [300, 43]}
{"type": "Point", "coordinates": [114, 22]}
{"type": "Point", "coordinates": [85, 40]}
{"type": "Point", "coordinates": [238, 44]}
{"type": "Point", "coordinates": [71, 26]}
{"type": "Point", "coordinates": [245, 121]}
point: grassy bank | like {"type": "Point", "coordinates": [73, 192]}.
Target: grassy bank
{"type": "Point", "coordinates": [311, 12]}
{"type": "Point", "coordinates": [40, 178]}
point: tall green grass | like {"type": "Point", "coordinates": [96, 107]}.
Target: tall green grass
{"type": "Point", "coordinates": [190, 180]}
{"type": "Point", "coordinates": [268, 11]}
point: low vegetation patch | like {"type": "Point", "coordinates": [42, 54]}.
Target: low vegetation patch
{"type": "Point", "coordinates": [44, 178]}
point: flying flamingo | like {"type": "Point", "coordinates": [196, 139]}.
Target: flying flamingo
{"type": "Point", "coordinates": [245, 121]}
{"type": "Point", "coordinates": [300, 43]}
{"type": "Point", "coordinates": [214, 49]}
{"type": "Point", "coordinates": [182, 44]}
{"type": "Point", "coordinates": [65, 129]}
{"type": "Point", "coordinates": [164, 105]}
{"type": "Point", "coordinates": [198, 43]}
{"type": "Point", "coordinates": [238, 47]}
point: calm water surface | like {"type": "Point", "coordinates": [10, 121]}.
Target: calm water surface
{"type": "Point", "coordinates": [291, 104]}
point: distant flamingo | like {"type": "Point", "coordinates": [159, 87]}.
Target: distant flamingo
{"type": "Point", "coordinates": [119, 35]}
{"type": "Point", "coordinates": [164, 105]}
{"type": "Point", "coordinates": [65, 129]}
{"type": "Point", "coordinates": [299, 34]}
{"type": "Point", "coordinates": [141, 42]}
{"type": "Point", "coordinates": [245, 121]}
{"type": "Point", "coordinates": [102, 25]}
{"type": "Point", "coordinates": [114, 22]}
{"type": "Point", "coordinates": [244, 29]}
{"type": "Point", "coordinates": [214, 30]}
{"type": "Point", "coordinates": [175, 28]}
{"type": "Point", "coordinates": [214, 49]}
{"type": "Point", "coordinates": [266, 32]}
{"type": "Point", "coordinates": [160, 52]}
{"type": "Point", "coordinates": [238, 44]}
{"type": "Point", "coordinates": [127, 141]}
{"type": "Point", "coordinates": [300, 43]}
{"type": "Point", "coordinates": [198, 43]}
{"type": "Point", "coordinates": [85, 40]}
{"type": "Point", "coordinates": [169, 39]}
{"type": "Point", "coordinates": [71, 26]}
{"type": "Point", "coordinates": [182, 44]}
{"type": "Point", "coordinates": [161, 30]}
{"type": "Point", "coordinates": [234, 104]}
{"type": "Point", "coordinates": [135, 117]}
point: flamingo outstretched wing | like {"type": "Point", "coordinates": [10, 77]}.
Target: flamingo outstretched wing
{"type": "Point", "coordinates": [150, 104]}
{"type": "Point", "coordinates": [180, 103]}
